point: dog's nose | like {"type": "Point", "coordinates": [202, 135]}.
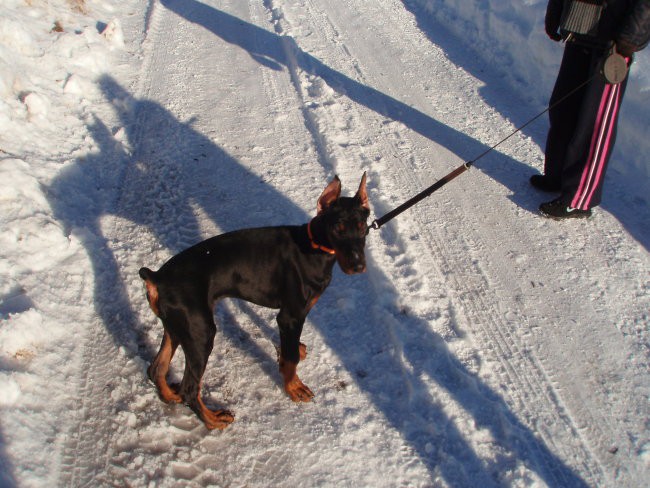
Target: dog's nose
{"type": "Point", "coordinates": [358, 263]}
{"type": "Point", "coordinates": [359, 267]}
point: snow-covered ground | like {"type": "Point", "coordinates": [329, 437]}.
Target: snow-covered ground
{"type": "Point", "coordinates": [485, 346]}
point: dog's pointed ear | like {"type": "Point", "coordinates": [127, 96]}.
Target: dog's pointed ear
{"type": "Point", "coordinates": [362, 194]}
{"type": "Point", "coordinates": [330, 194]}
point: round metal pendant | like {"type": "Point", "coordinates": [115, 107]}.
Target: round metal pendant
{"type": "Point", "coordinates": [615, 68]}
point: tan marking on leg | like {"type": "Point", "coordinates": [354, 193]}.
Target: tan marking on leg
{"type": "Point", "coordinates": [152, 296]}
{"type": "Point", "coordinates": [159, 369]}
{"type": "Point", "coordinates": [214, 419]}
{"type": "Point", "coordinates": [296, 389]}
{"type": "Point", "coordinates": [302, 351]}
{"type": "Point", "coordinates": [312, 303]}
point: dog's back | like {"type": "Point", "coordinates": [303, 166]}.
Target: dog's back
{"type": "Point", "coordinates": [251, 264]}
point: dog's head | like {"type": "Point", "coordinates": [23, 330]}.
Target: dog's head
{"type": "Point", "coordinates": [345, 225]}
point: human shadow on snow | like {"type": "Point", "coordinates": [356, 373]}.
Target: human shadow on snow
{"type": "Point", "coordinates": [166, 156]}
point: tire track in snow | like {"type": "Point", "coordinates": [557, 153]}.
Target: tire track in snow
{"type": "Point", "coordinates": [84, 456]}
{"type": "Point", "coordinates": [110, 343]}
{"type": "Point", "coordinates": [154, 218]}
{"type": "Point", "coordinates": [529, 392]}
{"type": "Point", "coordinates": [154, 215]}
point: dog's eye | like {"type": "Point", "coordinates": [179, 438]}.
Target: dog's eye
{"type": "Point", "coordinates": [340, 228]}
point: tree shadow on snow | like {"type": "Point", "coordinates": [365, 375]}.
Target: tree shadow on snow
{"type": "Point", "coordinates": [278, 52]}
{"type": "Point", "coordinates": [168, 155]}
{"type": "Point", "coordinates": [633, 215]}
{"type": "Point", "coordinates": [281, 52]}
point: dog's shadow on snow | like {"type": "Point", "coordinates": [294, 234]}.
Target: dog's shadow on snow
{"type": "Point", "coordinates": [165, 155]}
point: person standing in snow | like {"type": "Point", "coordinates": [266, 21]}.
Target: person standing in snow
{"type": "Point", "coordinates": [583, 127]}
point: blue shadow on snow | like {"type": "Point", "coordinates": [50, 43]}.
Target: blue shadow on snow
{"type": "Point", "coordinates": [171, 155]}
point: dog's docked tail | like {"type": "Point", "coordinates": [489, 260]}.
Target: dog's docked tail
{"type": "Point", "coordinates": [149, 278]}
{"type": "Point", "coordinates": [146, 274]}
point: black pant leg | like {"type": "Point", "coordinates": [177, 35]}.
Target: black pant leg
{"type": "Point", "coordinates": [564, 116]}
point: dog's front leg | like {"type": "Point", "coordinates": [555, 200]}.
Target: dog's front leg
{"type": "Point", "coordinates": [290, 354]}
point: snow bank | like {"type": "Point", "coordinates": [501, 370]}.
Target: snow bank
{"type": "Point", "coordinates": [51, 54]}
{"type": "Point", "coordinates": [510, 35]}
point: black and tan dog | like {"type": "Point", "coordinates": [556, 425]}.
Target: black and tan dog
{"type": "Point", "coordinates": [285, 268]}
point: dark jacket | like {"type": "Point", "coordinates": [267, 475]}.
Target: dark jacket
{"type": "Point", "coordinates": [626, 21]}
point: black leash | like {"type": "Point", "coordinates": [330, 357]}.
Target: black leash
{"type": "Point", "coordinates": [376, 224]}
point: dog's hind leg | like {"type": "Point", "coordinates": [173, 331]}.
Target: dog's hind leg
{"type": "Point", "coordinates": [160, 367]}
{"type": "Point", "coordinates": [197, 345]}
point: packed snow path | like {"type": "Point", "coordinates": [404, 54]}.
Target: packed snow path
{"type": "Point", "coordinates": [481, 348]}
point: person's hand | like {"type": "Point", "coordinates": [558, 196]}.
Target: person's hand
{"type": "Point", "coordinates": [625, 49]}
{"type": "Point", "coordinates": [551, 28]}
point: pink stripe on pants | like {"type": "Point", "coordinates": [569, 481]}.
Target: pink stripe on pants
{"type": "Point", "coordinates": [600, 147]}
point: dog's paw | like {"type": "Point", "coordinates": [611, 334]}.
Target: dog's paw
{"type": "Point", "coordinates": [217, 419]}
{"type": "Point", "coordinates": [169, 396]}
{"type": "Point", "coordinates": [298, 391]}
{"type": "Point", "coordinates": [169, 393]}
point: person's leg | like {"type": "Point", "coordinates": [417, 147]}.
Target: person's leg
{"type": "Point", "coordinates": [589, 152]}
{"type": "Point", "coordinates": [564, 116]}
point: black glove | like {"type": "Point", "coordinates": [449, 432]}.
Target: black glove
{"type": "Point", "coordinates": [552, 31]}
{"type": "Point", "coordinates": [552, 20]}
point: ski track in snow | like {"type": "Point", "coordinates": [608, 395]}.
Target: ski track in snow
{"type": "Point", "coordinates": [443, 365]}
